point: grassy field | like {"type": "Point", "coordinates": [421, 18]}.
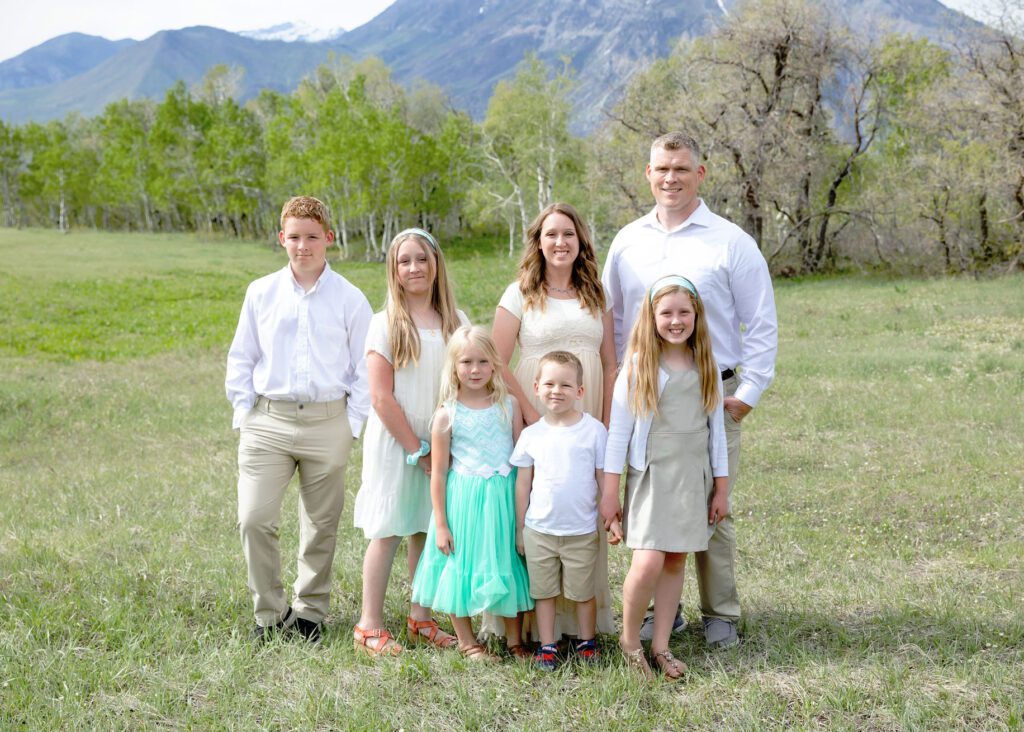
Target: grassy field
{"type": "Point", "coordinates": [880, 515]}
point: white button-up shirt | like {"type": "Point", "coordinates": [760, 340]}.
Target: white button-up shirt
{"type": "Point", "coordinates": [730, 274]}
{"type": "Point", "coordinates": [301, 346]}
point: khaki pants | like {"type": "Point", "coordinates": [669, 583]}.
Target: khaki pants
{"type": "Point", "coordinates": [276, 438]}
{"type": "Point", "coordinates": [716, 567]}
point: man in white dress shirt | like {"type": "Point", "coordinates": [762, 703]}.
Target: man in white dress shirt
{"type": "Point", "coordinates": [682, 236]}
{"type": "Point", "coordinates": [296, 377]}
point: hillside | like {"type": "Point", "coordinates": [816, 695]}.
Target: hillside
{"type": "Point", "coordinates": [57, 59]}
{"type": "Point", "coordinates": [465, 46]}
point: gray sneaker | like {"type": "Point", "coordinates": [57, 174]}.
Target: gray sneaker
{"type": "Point", "coordinates": [720, 634]}
{"type": "Point", "coordinates": [647, 627]}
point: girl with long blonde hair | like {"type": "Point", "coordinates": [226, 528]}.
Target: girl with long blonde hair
{"type": "Point", "coordinates": [470, 564]}
{"type": "Point", "coordinates": [405, 349]}
{"type": "Point", "coordinates": [667, 415]}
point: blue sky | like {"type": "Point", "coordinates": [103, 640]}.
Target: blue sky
{"type": "Point", "coordinates": [27, 24]}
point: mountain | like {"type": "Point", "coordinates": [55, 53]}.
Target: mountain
{"type": "Point", "coordinates": [294, 32]}
{"type": "Point", "coordinates": [148, 68]}
{"type": "Point", "coordinates": [57, 59]}
{"type": "Point", "coordinates": [465, 46]}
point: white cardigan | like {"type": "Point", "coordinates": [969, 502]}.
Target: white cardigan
{"type": "Point", "coordinates": [628, 432]}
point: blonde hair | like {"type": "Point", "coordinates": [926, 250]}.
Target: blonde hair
{"type": "Point", "coordinates": [306, 207]}
{"type": "Point", "coordinates": [644, 354]}
{"type": "Point", "coordinates": [463, 338]}
{"type": "Point", "coordinates": [403, 337]}
{"type": "Point", "coordinates": [562, 358]}
{"type": "Point", "coordinates": [584, 278]}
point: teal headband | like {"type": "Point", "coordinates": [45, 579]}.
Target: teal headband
{"type": "Point", "coordinates": [415, 231]}
{"type": "Point", "coordinates": [668, 281]}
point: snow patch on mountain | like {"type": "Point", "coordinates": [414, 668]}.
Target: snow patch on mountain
{"type": "Point", "coordinates": [294, 32]}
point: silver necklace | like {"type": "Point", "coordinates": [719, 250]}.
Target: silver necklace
{"type": "Point", "coordinates": [564, 290]}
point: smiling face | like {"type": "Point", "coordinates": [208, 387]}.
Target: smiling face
{"type": "Point", "coordinates": [558, 387]}
{"type": "Point", "coordinates": [675, 179]}
{"type": "Point", "coordinates": [474, 369]}
{"type": "Point", "coordinates": [415, 266]}
{"type": "Point", "coordinates": [674, 317]}
{"type": "Point", "coordinates": [306, 242]}
{"type": "Point", "coordinates": [558, 241]}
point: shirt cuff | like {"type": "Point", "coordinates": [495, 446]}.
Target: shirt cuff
{"type": "Point", "coordinates": [748, 394]}
{"type": "Point", "coordinates": [239, 416]}
{"type": "Point", "coordinates": [356, 424]}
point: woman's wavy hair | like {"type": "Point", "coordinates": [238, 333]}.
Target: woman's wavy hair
{"type": "Point", "coordinates": [644, 354]}
{"type": "Point", "coordinates": [585, 277]}
{"type": "Point", "coordinates": [403, 338]}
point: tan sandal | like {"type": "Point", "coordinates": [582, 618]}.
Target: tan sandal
{"type": "Point", "coordinates": [671, 666]}
{"type": "Point", "coordinates": [637, 661]}
{"type": "Point", "coordinates": [434, 635]}
{"type": "Point", "coordinates": [478, 654]}
{"type": "Point", "coordinates": [386, 645]}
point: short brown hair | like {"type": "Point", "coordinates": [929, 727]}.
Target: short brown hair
{"type": "Point", "coordinates": [678, 141]}
{"type": "Point", "coordinates": [563, 358]}
{"type": "Point", "coordinates": [307, 207]}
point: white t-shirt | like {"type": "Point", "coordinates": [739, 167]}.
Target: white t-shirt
{"type": "Point", "coordinates": [563, 501]}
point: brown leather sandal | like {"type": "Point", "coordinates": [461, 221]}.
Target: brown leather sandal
{"type": "Point", "coordinates": [671, 666]}
{"type": "Point", "coordinates": [519, 651]}
{"type": "Point", "coordinates": [478, 654]}
{"type": "Point", "coordinates": [434, 635]}
{"type": "Point", "coordinates": [386, 645]}
{"type": "Point", "coordinates": [637, 661]}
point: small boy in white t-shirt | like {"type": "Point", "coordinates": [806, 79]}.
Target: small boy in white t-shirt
{"type": "Point", "coordinates": [556, 504]}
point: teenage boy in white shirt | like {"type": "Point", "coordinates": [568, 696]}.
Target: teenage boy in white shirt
{"type": "Point", "coordinates": [296, 377]}
{"type": "Point", "coordinates": [556, 504]}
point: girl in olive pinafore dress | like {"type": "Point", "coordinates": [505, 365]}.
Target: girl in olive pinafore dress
{"type": "Point", "coordinates": [667, 414]}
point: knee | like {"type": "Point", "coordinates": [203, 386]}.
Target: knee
{"type": "Point", "coordinates": [257, 522]}
{"type": "Point", "coordinates": [674, 563]}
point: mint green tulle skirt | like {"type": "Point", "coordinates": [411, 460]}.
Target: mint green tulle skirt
{"type": "Point", "coordinates": [484, 572]}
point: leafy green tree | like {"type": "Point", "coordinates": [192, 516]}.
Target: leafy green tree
{"type": "Point", "coordinates": [526, 141]}
{"type": "Point", "coordinates": [12, 167]}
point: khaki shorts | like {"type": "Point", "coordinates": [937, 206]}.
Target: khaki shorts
{"type": "Point", "coordinates": [560, 565]}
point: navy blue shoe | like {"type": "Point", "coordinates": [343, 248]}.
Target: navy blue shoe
{"type": "Point", "coordinates": [546, 657]}
{"type": "Point", "coordinates": [586, 651]}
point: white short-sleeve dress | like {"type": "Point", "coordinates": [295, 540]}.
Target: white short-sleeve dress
{"type": "Point", "coordinates": [394, 498]}
{"type": "Point", "coordinates": [565, 325]}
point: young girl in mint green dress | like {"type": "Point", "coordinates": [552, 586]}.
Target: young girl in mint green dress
{"type": "Point", "coordinates": [470, 564]}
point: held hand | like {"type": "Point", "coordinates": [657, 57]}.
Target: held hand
{"type": "Point", "coordinates": [424, 464]}
{"type": "Point", "coordinates": [611, 509]}
{"type": "Point", "coordinates": [737, 409]}
{"type": "Point", "coordinates": [520, 547]}
{"type": "Point", "coordinates": [444, 541]}
{"type": "Point", "coordinates": [615, 532]}
{"type": "Point", "coordinates": [718, 509]}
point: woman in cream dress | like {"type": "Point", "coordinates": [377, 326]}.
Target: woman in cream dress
{"type": "Point", "coordinates": [559, 304]}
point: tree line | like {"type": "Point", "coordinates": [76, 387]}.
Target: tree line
{"type": "Point", "coordinates": [832, 150]}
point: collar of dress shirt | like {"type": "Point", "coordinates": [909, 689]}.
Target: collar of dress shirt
{"type": "Point", "coordinates": [701, 216]}
{"type": "Point", "coordinates": [298, 287]}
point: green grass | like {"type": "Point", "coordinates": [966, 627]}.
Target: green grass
{"type": "Point", "coordinates": [879, 514]}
